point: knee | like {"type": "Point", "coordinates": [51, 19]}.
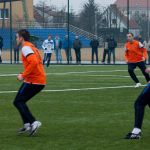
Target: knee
{"type": "Point", "coordinates": [130, 70]}
{"type": "Point", "coordinates": [138, 104]}
{"type": "Point", "coordinates": [15, 103]}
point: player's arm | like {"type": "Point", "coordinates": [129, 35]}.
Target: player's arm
{"type": "Point", "coordinates": [144, 51]}
{"type": "Point", "coordinates": [126, 53]}
{"type": "Point", "coordinates": [44, 45]}
{"type": "Point", "coordinates": [145, 55]}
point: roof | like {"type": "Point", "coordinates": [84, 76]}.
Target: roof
{"type": "Point", "coordinates": [132, 23]}
{"type": "Point", "coordinates": [133, 3]}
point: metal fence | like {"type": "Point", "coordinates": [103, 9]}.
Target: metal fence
{"type": "Point", "coordinates": [86, 19]}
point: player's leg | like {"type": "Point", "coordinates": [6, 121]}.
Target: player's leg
{"type": "Point", "coordinates": [57, 55]}
{"type": "Point", "coordinates": [60, 56]}
{"type": "Point", "coordinates": [109, 56]}
{"type": "Point", "coordinates": [76, 53]}
{"type": "Point", "coordinates": [131, 67]}
{"type": "Point", "coordinates": [139, 107]}
{"type": "Point", "coordinates": [92, 56]}
{"type": "Point", "coordinates": [70, 55]}
{"type": "Point", "coordinates": [104, 56]}
{"type": "Point", "coordinates": [26, 92]}
{"type": "Point", "coordinates": [148, 57]}
{"type": "Point", "coordinates": [48, 59]}
{"type": "Point", "coordinates": [67, 54]}
{"type": "Point", "coordinates": [0, 56]}
{"type": "Point", "coordinates": [44, 59]}
{"type": "Point", "coordinates": [142, 67]}
{"type": "Point", "coordinates": [96, 53]}
{"type": "Point", "coordinates": [79, 56]}
{"type": "Point", "coordinates": [114, 56]}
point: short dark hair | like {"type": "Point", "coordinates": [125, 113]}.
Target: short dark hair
{"type": "Point", "coordinates": [131, 33]}
{"type": "Point", "coordinates": [25, 34]}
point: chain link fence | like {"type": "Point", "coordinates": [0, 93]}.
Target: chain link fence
{"type": "Point", "coordinates": [83, 21]}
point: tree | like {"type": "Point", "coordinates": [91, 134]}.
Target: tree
{"type": "Point", "coordinates": [141, 20]}
{"type": "Point", "coordinates": [88, 16]}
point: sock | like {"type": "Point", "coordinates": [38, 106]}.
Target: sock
{"type": "Point", "coordinates": [136, 131]}
{"type": "Point", "coordinates": [26, 125]}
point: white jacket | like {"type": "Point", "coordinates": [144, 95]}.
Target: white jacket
{"type": "Point", "coordinates": [48, 46]}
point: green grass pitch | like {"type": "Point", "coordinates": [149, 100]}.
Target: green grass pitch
{"type": "Point", "coordinates": [74, 120]}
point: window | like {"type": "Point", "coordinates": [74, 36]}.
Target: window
{"type": "Point", "coordinates": [4, 13]}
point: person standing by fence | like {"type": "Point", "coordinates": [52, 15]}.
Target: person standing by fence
{"type": "Point", "coordinates": [1, 47]}
{"type": "Point", "coordinates": [58, 47]}
{"type": "Point", "coordinates": [16, 51]}
{"type": "Point", "coordinates": [112, 44]}
{"type": "Point", "coordinates": [105, 53]}
{"type": "Point", "coordinates": [77, 47]}
{"type": "Point", "coordinates": [94, 45]}
{"type": "Point", "coordinates": [67, 47]}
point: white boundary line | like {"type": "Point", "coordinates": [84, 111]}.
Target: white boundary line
{"type": "Point", "coordinates": [117, 76]}
{"type": "Point", "coordinates": [65, 73]}
{"type": "Point", "coordinates": [81, 89]}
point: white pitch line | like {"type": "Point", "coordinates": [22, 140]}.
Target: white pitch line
{"type": "Point", "coordinates": [121, 76]}
{"type": "Point", "coordinates": [65, 73]}
{"type": "Point", "coordinates": [101, 71]}
{"type": "Point", "coordinates": [81, 89]}
{"type": "Point", "coordinates": [7, 75]}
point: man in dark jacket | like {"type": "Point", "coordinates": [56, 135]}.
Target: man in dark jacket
{"type": "Point", "coordinates": [94, 44]}
{"type": "Point", "coordinates": [67, 49]}
{"type": "Point", "coordinates": [16, 51]}
{"type": "Point", "coordinates": [1, 47]}
{"type": "Point", "coordinates": [105, 53]}
{"type": "Point", "coordinates": [112, 44]}
{"type": "Point", "coordinates": [58, 47]}
{"type": "Point", "coordinates": [77, 47]}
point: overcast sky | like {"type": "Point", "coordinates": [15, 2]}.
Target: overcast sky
{"type": "Point", "coordinates": [76, 5]}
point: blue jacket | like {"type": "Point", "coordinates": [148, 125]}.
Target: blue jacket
{"type": "Point", "coordinates": [65, 44]}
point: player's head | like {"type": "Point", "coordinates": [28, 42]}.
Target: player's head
{"type": "Point", "coordinates": [130, 37]}
{"type": "Point", "coordinates": [49, 37]}
{"type": "Point", "coordinates": [22, 36]}
{"type": "Point", "coordinates": [77, 37]}
{"type": "Point", "coordinates": [57, 37]}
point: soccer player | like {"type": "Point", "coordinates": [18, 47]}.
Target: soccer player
{"type": "Point", "coordinates": [48, 46]}
{"type": "Point", "coordinates": [135, 56]}
{"type": "Point", "coordinates": [140, 104]}
{"type": "Point", "coordinates": [33, 78]}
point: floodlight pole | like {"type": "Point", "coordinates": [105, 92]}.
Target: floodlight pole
{"type": "Point", "coordinates": [148, 25]}
{"type": "Point", "coordinates": [11, 32]}
{"type": "Point", "coordinates": [68, 33]}
{"type": "Point", "coordinates": [128, 15]}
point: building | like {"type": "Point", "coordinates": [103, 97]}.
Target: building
{"type": "Point", "coordinates": [136, 6]}
{"type": "Point", "coordinates": [22, 11]}
{"type": "Point", "coordinates": [114, 18]}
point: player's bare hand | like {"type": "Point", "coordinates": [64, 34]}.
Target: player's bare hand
{"type": "Point", "coordinates": [20, 77]}
{"type": "Point", "coordinates": [147, 70]}
{"type": "Point", "coordinates": [143, 59]}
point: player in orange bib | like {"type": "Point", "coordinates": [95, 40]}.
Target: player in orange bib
{"type": "Point", "coordinates": [135, 56]}
{"type": "Point", "coordinates": [33, 78]}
